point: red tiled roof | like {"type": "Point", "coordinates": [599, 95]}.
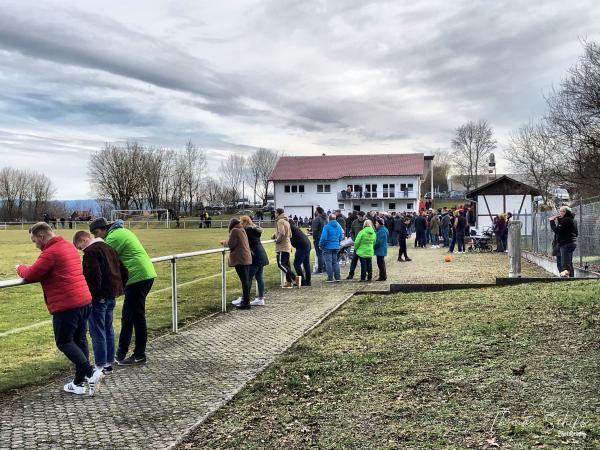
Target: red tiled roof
{"type": "Point", "coordinates": [336, 167]}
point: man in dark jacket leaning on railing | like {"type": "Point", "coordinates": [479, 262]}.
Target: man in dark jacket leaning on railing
{"type": "Point", "coordinates": [105, 276]}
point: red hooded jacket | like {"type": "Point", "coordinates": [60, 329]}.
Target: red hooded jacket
{"type": "Point", "coordinates": [58, 269]}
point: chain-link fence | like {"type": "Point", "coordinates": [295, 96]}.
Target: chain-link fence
{"type": "Point", "coordinates": [587, 216]}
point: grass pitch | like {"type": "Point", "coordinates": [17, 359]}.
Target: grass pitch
{"type": "Point", "coordinates": [513, 367]}
{"type": "Point", "coordinates": [27, 351]}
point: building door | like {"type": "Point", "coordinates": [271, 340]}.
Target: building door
{"type": "Point", "coordinates": [356, 207]}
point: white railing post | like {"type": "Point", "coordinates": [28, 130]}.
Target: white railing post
{"type": "Point", "coordinates": [174, 293]}
{"type": "Point", "coordinates": [223, 283]}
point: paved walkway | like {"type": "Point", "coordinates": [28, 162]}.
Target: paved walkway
{"type": "Point", "coordinates": [192, 374]}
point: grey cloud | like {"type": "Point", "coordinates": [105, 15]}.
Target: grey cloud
{"type": "Point", "coordinates": [93, 41]}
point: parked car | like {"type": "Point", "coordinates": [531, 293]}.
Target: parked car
{"type": "Point", "coordinates": [246, 212]}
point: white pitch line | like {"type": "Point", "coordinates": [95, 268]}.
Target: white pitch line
{"type": "Point", "coordinates": [28, 327]}
{"type": "Point", "coordinates": [46, 322]}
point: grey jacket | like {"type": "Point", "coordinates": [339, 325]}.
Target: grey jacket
{"type": "Point", "coordinates": [317, 226]}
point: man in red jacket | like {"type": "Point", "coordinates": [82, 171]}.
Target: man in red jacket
{"type": "Point", "coordinates": [58, 269]}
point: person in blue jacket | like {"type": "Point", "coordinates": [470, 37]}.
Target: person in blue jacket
{"type": "Point", "coordinates": [331, 236]}
{"type": "Point", "coordinates": [381, 248]}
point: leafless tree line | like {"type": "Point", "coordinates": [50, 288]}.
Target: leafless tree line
{"type": "Point", "coordinates": [471, 147]}
{"type": "Point", "coordinates": [564, 146]}
{"type": "Point", "coordinates": [24, 194]}
{"type": "Point", "coordinates": [133, 176]}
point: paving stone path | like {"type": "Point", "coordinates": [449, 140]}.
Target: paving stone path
{"type": "Point", "coordinates": [192, 374]}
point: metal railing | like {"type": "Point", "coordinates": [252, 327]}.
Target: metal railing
{"type": "Point", "coordinates": [173, 260]}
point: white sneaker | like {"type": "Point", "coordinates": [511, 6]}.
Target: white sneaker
{"type": "Point", "coordinates": [72, 388]}
{"type": "Point", "coordinates": [237, 301]}
{"type": "Point", "coordinates": [258, 301]}
{"type": "Point", "coordinates": [94, 382]}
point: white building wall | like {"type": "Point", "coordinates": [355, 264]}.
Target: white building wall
{"type": "Point", "coordinates": [298, 202]}
{"type": "Point", "coordinates": [496, 205]}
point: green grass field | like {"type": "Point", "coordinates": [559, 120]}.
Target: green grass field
{"type": "Point", "coordinates": [29, 356]}
{"type": "Point", "coordinates": [431, 371]}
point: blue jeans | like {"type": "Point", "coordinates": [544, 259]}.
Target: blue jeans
{"type": "Point", "coordinates": [434, 239]}
{"type": "Point", "coordinates": [331, 264]}
{"type": "Point", "coordinates": [320, 260]}
{"type": "Point", "coordinates": [446, 236]}
{"type": "Point", "coordinates": [257, 273]}
{"type": "Point", "coordinates": [101, 330]}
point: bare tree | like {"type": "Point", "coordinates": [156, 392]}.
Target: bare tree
{"type": "Point", "coordinates": [441, 168]}
{"type": "Point", "coordinates": [213, 191]}
{"type": "Point", "coordinates": [260, 167]}
{"type": "Point", "coordinates": [23, 193]}
{"type": "Point", "coordinates": [42, 192]}
{"type": "Point", "coordinates": [158, 167]}
{"type": "Point", "coordinates": [193, 167]}
{"type": "Point", "coordinates": [232, 172]}
{"type": "Point", "coordinates": [471, 145]}
{"type": "Point", "coordinates": [116, 173]}
{"type": "Point", "coordinates": [574, 115]}
{"type": "Point", "coordinates": [531, 152]}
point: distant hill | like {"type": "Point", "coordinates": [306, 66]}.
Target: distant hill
{"type": "Point", "coordinates": [82, 205]}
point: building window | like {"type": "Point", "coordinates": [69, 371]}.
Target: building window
{"type": "Point", "coordinates": [388, 190]}
{"type": "Point", "coordinates": [294, 188]}
{"type": "Point", "coordinates": [341, 206]}
{"type": "Point", "coordinates": [391, 206]}
{"type": "Point", "coordinates": [323, 188]}
{"type": "Point", "coordinates": [374, 205]}
{"type": "Point", "coordinates": [409, 206]}
{"type": "Point", "coordinates": [371, 191]}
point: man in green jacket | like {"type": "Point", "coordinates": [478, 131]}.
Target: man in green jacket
{"type": "Point", "coordinates": [141, 277]}
{"type": "Point", "coordinates": [364, 247]}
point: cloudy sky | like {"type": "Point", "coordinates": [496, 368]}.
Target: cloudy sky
{"type": "Point", "coordinates": [304, 77]}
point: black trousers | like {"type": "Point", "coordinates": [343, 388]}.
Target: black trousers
{"type": "Point", "coordinates": [134, 318]}
{"type": "Point", "coordinates": [244, 275]}
{"type": "Point", "coordinates": [302, 259]}
{"type": "Point", "coordinates": [283, 262]}
{"type": "Point", "coordinates": [70, 329]}
{"type": "Point", "coordinates": [353, 264]}
{"type": "Point", "coordinates": [381, 267]}
{"type": "Point", "coordinates": [402, 251]}
{"type": "Point", "coordinates": [366, 268]}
